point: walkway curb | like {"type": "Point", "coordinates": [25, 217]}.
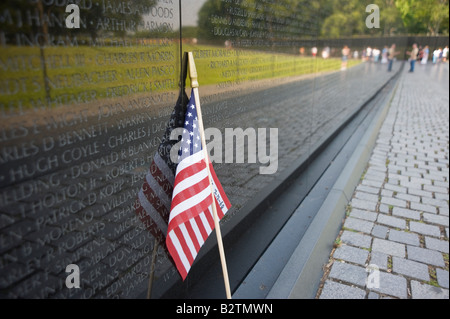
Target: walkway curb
{"type": "Point", "coordinates": [301, 276]}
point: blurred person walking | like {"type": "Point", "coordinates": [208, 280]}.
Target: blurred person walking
{"type": "Point", "coordinates": [345, 55]}
{"type": "Point", "coordinates": [391, 56]}
{"type": "Point", "coordinates": [426, 53]}
{"type": "Point", "coordinates": [413, 57]}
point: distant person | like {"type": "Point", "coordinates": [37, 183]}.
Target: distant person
{"type": "Point", "coordinates": [445, 54]}
{"type": "Point", "coordinates": [413, 57]}
{"type": "Point", "coordinates": [436, 54]}
{"type": "Point", "coordinates": [314, 51]}
{"type": "Point", "coordinates": [345, 55]}
{"type": "Point", "coordinates": [376, 54]}
{"type": "Point", "coordinates": [384, 55]}
{"type": "Point", "coordinates": [302, 51]}
{"type": "Point", "coordinates": [420, 55]}
{"type": "Point", "coordinates": [426, 53]}
{"type": "Point", "coordinates": [326, 53]}
{"type": "Point", "coordinates": [369, 53]}
{"type": "Point", "coordinates": [391, 56]}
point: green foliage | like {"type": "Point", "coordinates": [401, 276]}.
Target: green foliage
{"type": "Point", "coordinates": [425, 16]}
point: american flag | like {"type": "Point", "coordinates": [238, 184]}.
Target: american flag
{"type": "Point", "coordinates": [191, 218]}
{"type": "Point", "coordinates": [152, 205]}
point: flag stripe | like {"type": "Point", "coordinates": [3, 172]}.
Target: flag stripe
{"type": "Point", "coordinates": [188, 206]}
{"type": "Point", "coordinates": [153, 191]}
{"type": "Point", "coordinates": [149, 223]}
{"type": "Point", "coordinates": [191, 191]}
{"type": "Point", "coordinates": [192, 234]}
{"type": "Point", "coordinates": [201, 228]}
{"type": "Point", "coordinates": [188, 240]}
{"type": "Point", "coordinates": [190, 211]}
{"type": "Point", "coordinates": [193, 175]}
{"type": "Point", "coordinates": [185, 249]}
{"type": "Point", "coordinates": [210, 218]}
{"type": "Point", "coordinates": [174, 247]}
{"type": "Point", "coordinates": [155, 201]}
{"type": "Point", "coordinates": [195, 158]}
{"type": "Point", "coordinates": [151, 211]}
{"type": "Point", "coordinates": [162, 165]}
{"type": "Point", "coordinates": [159, 179]}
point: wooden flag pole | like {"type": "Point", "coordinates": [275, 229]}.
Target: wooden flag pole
{"type": "Point", "coordinates": [152, 269]}
{"type": "Point", "coordinates": [195, 85]}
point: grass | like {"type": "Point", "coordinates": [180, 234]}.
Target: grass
{"type": "Point", "coordinates": [108, 72]}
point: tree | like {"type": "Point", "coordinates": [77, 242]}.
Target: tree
{"type": "Point", "coordinates": [425, 16]}
{"type": "Point", "coordinates": [347, 19]}
{"type": "Point", "coordinates": [391, 20]}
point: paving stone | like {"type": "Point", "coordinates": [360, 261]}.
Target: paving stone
{"type": "Point", "coordinates": [426, 256]}
{"type": "Point", "coordinates": [358, 224]}
{"type": "Point", "coordinates": [387, 193]}
{"type": "Point", "coordinates": [391, 221]}
{"type": "Point", "coordinates": [363, 214]}
{"type": "Point", "coordinates": [436, 219]}
{"type": "Point", "coordinates": [379, 177]}
{"type": "Point", "coordinates": [349, 273]}
{"type": "Point", "coordinates": [392, 285]}
{"type": "Point", "coordinates": [351, 254]}
{"type": "Point", "coordinates": [423, 207]}
{"type": "Point", "coordinates": [441, 196]}
{"type": "Point", "coordinates": [410, 198]}
{"type": "Point", "coordinates": [363, 204]}
{"type": "Point", "coordinates": [442, 277]}
{"type": "Point", "coordinates": [366, 196]}
{"type": "Point", "coordinates": [436, 244]}
{"type": "Point", "coordinates": [383, 208]}
{"type": "Point", "coordinates": [396, 188]}
{"type": "Point", "coordinates": [377, 184]}
{"type": "Point", "coordinates": [335, 290]}
{"type": "Point", "coordinates": [424, 291]}
{"type": "Point", "coordinates": [367, 189]}
{"type": "Point", "coordinates": [379, 259]}
{"type": "Point", "coordinates": [436, 189]}
{"type": "Point", "coordinates": [406, 213]}
{"type": "Point", "coordinates": [393, 201]}
{"type": "Point", "coordinates": [410, 268]}
{"type": "Point", "coordinates": [388, 247]}
{"type": "Point", "coordinates": [356, 239]}
{"type": "Point", "coordinates": [444, 211]}
{"type": "Point", "coordinates": [434, 202]}
{"type": "Point", "coordinates": [424, 229]}
{"type": "Point", "coordinates": [380, 231]}
{"type": "Point", "coordinates": [373, 295]}
{"type": "Point", "coordinates": [419, 192]}
{"type": "Point", "coordinates": [404, 237]}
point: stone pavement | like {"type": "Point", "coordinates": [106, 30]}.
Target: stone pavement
{"type": "Point", "coordinates": [395, 238]}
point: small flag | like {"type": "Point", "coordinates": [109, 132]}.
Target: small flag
{"type": "Point", "coordinates": [152, 205]}
{"type": "Point", "coordinates": [191, 217]}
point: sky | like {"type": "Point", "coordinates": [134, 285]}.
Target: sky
{"type": "Point", "coordinates": [190, 9]}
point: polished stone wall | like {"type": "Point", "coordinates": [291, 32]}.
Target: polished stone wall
{"type": "Point", "coordinates": [85, 97]}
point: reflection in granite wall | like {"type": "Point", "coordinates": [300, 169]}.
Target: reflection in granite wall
{"type": "Point", "coordinates": [83, 110]}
